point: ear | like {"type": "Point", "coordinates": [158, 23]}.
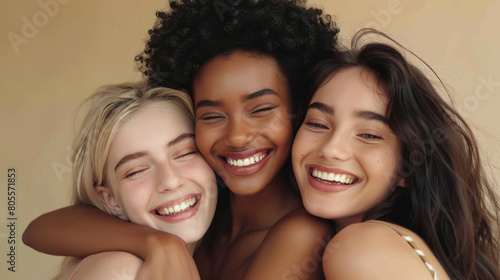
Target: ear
{"type": "Point", "coordinates": [109, 202]}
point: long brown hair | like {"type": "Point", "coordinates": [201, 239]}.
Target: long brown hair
{"type": "Point", "coordinates": [448, 199]}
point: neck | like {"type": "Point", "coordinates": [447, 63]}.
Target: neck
{"type": "Point", "coordinates": [262, 210]}
{"type": "Point", "coordinates": [193, 246]}
{"type": "Point", "coordinates": [343, 222]}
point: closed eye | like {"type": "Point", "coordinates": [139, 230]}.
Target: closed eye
{"type": "Point", "coordinates": [192, 152]}
{"type": "Point", "coordinates": [135, 173]}
{"type": "Point", "coordinates": [264, 109]}
{"type": "Point", "coordinates": [211, 116]}
{"type": "Point", "coordinates": [316, 125]}
{"type": "Point", "coordinates": [370, 136]}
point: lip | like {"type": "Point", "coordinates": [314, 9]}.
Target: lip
{"type": "Point", "coordinates": [182, 216]}
{"type": "Point", "coordinates": [245, 170]}
{"type": "Point", "coordinates": [328, 187]}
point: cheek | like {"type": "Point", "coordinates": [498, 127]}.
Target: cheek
{"type": "Point", "coordinates": [383, 162]}
{"type": "Point", "coordinates": [203, 139]}
{"type": "Point", "coordinates": [280, 129]}
{"type": "Point", "coordinates": [301, 145]}
{"type": "Point", "coordinates": [279, 122]}
{"type": "Point", "coordinates": [135, 198]}
{"type": "Point", "coordinates": [200, 173]}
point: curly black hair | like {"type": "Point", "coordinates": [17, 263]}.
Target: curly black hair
{"type": "Point", "coordinates": [194, 31]}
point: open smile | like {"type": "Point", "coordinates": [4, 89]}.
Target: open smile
{"type": "Point", "coordinates": [177, 208]}
{"type": "Point", "coordinates": [330, 180]}
{"type": "Point", "coordinates": [246, 163]}
{"type": "Point", "coordinates": [333, 178]}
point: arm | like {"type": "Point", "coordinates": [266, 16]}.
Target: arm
{"type": "Point", "coordinates": [84, 230]}
{"type": "Point", "coordinates": [374, 251]}
{"type": "Point", "coordinates": [81, 230]}
{"type": "Point", "coordinates": [292, 249]}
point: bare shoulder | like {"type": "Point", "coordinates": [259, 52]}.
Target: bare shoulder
{"type": "Point", "coordinates": [375, 251]}
{"type": "Point", "coordinates": [299, 226]}
{"type": "Point", "coordinates": [109, 265]}
{"type": "Point", "coordinates": [293, 247]}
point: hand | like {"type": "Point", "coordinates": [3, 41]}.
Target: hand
{"type": "Point", "coordinates": [167, 258]}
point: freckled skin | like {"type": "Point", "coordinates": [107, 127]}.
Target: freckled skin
{"type": "Point", "coordinates": [345, 141]}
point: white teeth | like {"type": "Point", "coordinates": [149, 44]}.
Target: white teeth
{"type": "Point", "coordinates": [246, 161]}
{"type": "Point", "coordinates": [178, 208]}
{"type": "Point", "coordinates": [337, 178]}
{"type": "Point", "coordinates": [343, 178]}
{"type": "Point", "coordinates": [332, 177]}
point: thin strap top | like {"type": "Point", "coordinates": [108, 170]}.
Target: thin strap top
{"type": "Point", "coordinates": [412, 243]}
{"type": "Point", "coordinates": [78, 267]}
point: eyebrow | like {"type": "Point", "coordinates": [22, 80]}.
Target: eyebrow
{"type": "Point", "coordinates": [180, 138]}
{"type": "Point", "coordinates": [129, 157]}
{"type": "Point", "coordinates": [322, 107]}
{"type": "Point", "coordinates": [207, 103]}
{"type": "Point", "coordinates": [257, 94]}
{"type": "Point", "coordinates": [367, 115]}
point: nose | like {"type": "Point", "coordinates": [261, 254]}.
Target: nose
{"type": "Point", "coordinates": [239, 133]}
{"type": "Point", "coordinates": [169, 178]}
{"type": "Point", "coordinates": [337, 146]}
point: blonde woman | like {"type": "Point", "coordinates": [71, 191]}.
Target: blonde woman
{"type": "Point", "coordinates": [135, 157]}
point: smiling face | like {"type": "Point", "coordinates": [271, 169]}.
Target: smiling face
{"type": "Point", "coordinates": [243, 125]}
{"type": "Point", "coordinates": [345, 157]}
{"type": "Point", "coordinates": [157, 176]}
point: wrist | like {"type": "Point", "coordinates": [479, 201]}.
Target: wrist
{"type": "Point", "coordinates": [159, 240]}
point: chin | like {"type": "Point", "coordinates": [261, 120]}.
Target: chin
{"type": "Point", "coordinates": [191, 237]}
{"type": "Point", "coordinates": [316, 208]}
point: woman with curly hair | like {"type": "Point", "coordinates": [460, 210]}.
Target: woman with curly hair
{"type": "Point", "coordinates": [243, 62]}
{"type": "Point", "coordinates": [396, 169]}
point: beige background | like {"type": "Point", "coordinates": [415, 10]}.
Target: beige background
{"type": "Point", "coordinates": [76, 46]}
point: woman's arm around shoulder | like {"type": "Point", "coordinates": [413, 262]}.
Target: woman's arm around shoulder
{"type": "Point", "coordinates": [373, 251]}
{"type": "Point", "coordinates": [84, 230]}
{"type": "Point", "coordinates": [292, 249]}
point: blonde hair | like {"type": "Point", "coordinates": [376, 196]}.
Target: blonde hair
{"type": "Point", "coordinates": [110, 107]}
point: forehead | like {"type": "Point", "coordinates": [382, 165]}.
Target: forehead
{"type": "Point", "coordinates": [239, 73]}
{"type": "Point", "coordinates": [356, 85]}
{"type": "Point", "coordinates": [156, 119]}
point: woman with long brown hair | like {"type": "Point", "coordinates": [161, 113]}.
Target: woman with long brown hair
{"type": "Point", "coordinates": [396, 169]}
